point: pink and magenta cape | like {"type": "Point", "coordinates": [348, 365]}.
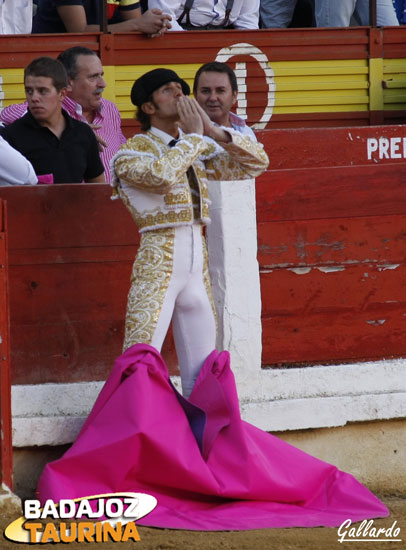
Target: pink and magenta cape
{"type": "Point", "coordinates": [208, 469]}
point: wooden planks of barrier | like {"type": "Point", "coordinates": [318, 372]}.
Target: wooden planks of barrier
{"type": "Point", "coordinates": [332, 247]}
{"type": "Point", "coordinates": [318, 147]}
{"type": "Point", "coordinates": [332, 235]}
{"type": "Point", "coordinates": [6, 469]}
{"type": "Point", "coordinates": [331, 253]}
{"type": "Point", "coordinates": [71, 252]}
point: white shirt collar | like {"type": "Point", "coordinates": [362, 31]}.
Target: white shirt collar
{"type": "Point", "coordinates": [166, 138]}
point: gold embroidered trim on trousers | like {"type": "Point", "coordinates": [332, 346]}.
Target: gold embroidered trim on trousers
{"type": "Point", "coordinates": [206, 279]}
{"type": "Point", "coordinates": [150, 279]}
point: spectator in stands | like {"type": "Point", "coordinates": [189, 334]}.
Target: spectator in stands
{"type": "Point", "coordinates": [276, 14]}
{"type": "Point", "coordinates": [215, 89]}
{"type": "Point", "coordinates": [334, 13]}
{"type": "Point", "coordinates": [209, 14]}
{"type": "Point", "coordinates": [57, 145]}
{"type": "Point", "coordinates": [15, 16]}
{"type": "Point", "coordinates": [14, 168]}
{"type": "Point", "coordinates": [84, 102]}
{"type": "Point", "coordinates": [84, 16]}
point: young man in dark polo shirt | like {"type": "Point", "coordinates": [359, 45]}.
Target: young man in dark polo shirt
{"type": "Point", "coordinates": [59, 147]}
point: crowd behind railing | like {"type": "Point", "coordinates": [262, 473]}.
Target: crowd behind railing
{"type": "Point", "coordinates": [155, 17]}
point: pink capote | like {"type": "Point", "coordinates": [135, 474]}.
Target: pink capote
{"type": "Point", "coordinates": [208, 469]}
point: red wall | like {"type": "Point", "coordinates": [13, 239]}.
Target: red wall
{"type": "Point", "coordinates": [344, 227]}
{"type": "Point", "coordinates": [331, 245]}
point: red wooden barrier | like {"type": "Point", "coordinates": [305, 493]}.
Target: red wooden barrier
{"type": "Point", "coordinates": [316, 147]}
{"type": "Point", "coordinates": [70, 253]}
{"type": "Point", "coordinates": [6, 467]}
{"type": "Point", "coordinates": [332, 247]}
{"type": "Point", "coordinates": [331, 234]}
{"type": "Point", "coordinates": [331, 253]}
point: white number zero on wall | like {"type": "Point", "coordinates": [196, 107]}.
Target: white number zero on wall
{"type": "Point", "coordinates": [243, 48]}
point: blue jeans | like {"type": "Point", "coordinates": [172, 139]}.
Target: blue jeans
{"type": "Point", "coordinates": [400, 7]}
{"type": "Point", "coordinates": [276, 14]}
{"type": "Point", "coordinates": [338, 13]}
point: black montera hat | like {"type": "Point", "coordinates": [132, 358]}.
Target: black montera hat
{"type": "Point", "coordinates": [151, 81]}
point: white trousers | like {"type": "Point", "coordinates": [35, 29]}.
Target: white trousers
{"type": "Point", "coordinates": [183, 297]}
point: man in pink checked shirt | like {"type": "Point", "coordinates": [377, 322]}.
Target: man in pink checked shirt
{"type": "Point", "coordinates": [84, 102]}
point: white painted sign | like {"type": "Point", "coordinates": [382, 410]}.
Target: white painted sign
{"type": "Point", "coordinates": [386, 148]}
{"type": "Point", "coordinates": [242, 48]}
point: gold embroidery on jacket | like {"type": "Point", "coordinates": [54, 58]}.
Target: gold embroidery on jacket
{"type": "Point", "coordinates": [142, 168]}
{"type": "Point", "coordinates": [161, 219]}
{"type": "Point", "coordinates": [177, 198]}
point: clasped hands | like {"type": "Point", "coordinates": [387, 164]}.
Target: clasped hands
{"type": "Point", "coordinates": [194, 120]}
